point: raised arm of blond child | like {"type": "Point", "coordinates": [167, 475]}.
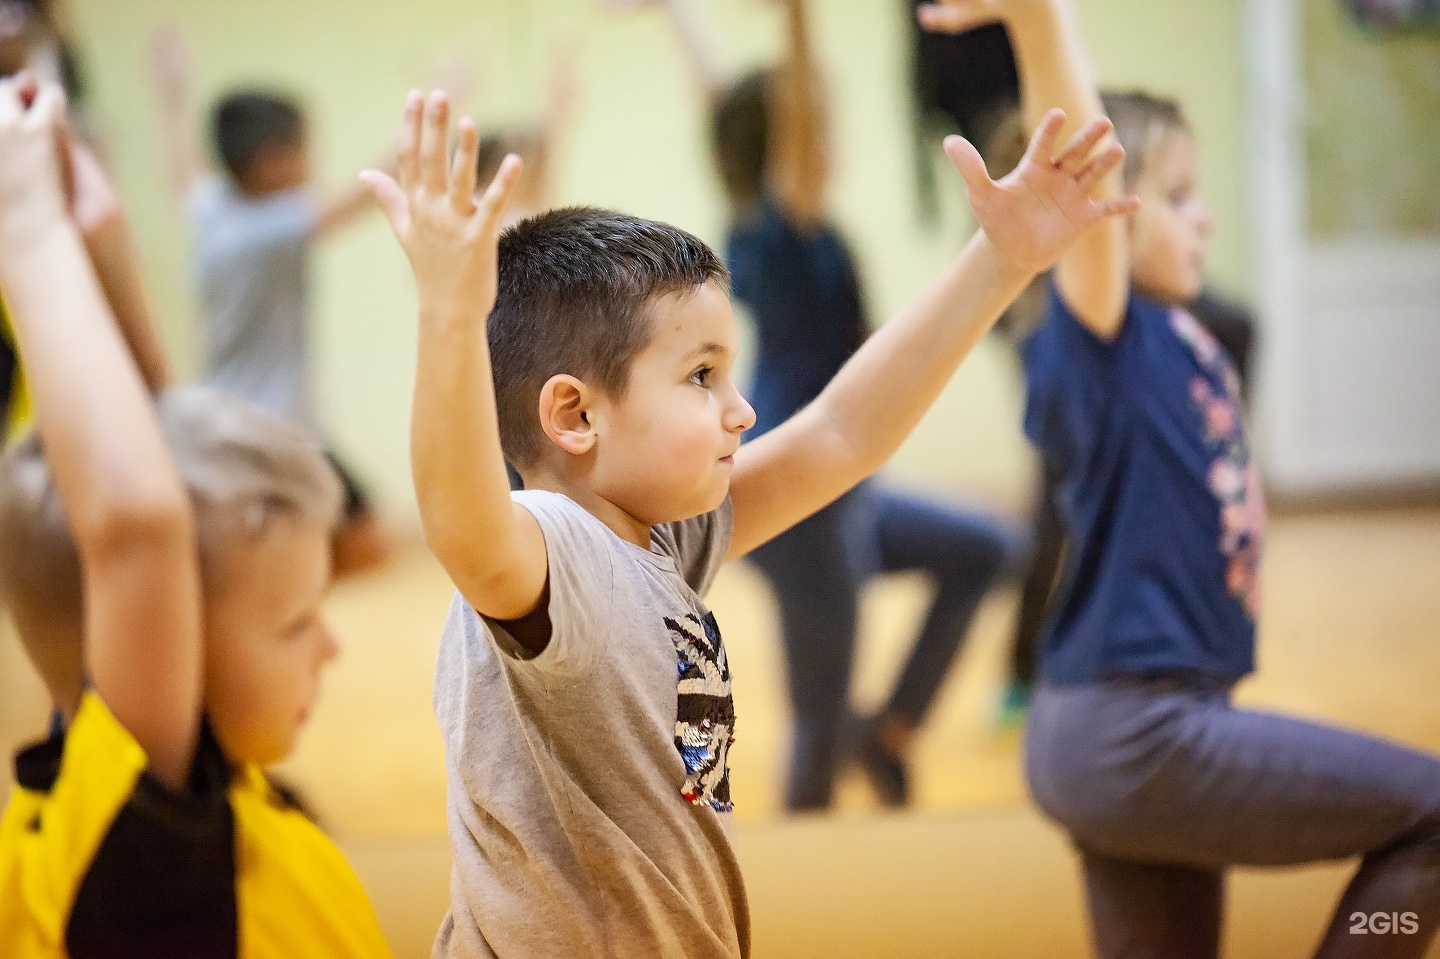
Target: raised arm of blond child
{"type": "Point", "coordinates": [127, 507]}
{"type": "Point", "coordinates": [1093, 275]}
{"type": "Point", "coordinates": [1027, 220]}
{"type": "Point", "coordinates": [492, 548]}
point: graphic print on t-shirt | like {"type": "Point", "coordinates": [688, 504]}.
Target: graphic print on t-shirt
{"type": "Point", "coordinates": [705, 711]}
{"type": "Point", "coordinates": [1232, 475]}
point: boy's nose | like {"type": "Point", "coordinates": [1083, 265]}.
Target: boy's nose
{"type": "Point", "coordinates": [741, 415]}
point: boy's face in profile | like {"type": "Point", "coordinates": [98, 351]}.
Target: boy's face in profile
{"type": "Point", "coordinates": [265, 643]}
{"type": "Point", "coordinates": [665, 449]}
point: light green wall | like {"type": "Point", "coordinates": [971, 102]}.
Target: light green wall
{"type": "Point", "coordinates": [639, 147]}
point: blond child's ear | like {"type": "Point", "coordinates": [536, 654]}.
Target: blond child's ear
{"type": "Point", "coordinates": [566, 407]}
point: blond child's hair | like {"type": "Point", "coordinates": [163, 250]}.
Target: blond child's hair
{"type": "Point", "coordinates": [245, 471]}
{"type": "Point", "coordinates": [1142, 122]}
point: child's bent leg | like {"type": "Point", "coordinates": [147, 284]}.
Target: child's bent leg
{"type": "Point", "coordinates": [965, 550]}
{"type": "Point", "coordinates": [816, 586]}
{"type": "Point", "coordinates": [1149, 774]}
{"type": "Point", "coordinates": [1147, 911]}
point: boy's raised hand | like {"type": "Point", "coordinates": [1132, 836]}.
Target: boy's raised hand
{"type": "Point", "coordinates": [1031, 215]}
{"type": "Point", "coordinates": [449, 238]}
{"type": "Point", "coordinates": [31, 192]}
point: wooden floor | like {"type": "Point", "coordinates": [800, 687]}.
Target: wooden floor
{"type": "Point", "coordinates": [1351, 634]}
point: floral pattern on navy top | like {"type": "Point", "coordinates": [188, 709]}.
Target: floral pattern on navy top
{"type": "Point", "coordinates": [1232, 476]}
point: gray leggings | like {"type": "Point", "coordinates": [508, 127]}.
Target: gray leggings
{"type": "Point", "coordinates": [1162, 784]}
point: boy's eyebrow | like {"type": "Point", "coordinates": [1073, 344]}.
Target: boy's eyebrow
{"type": "Point", "coordinates": [706, 349]}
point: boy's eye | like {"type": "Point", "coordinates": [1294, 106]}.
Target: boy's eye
{"type": "Point", "coordinates": [701, 377]}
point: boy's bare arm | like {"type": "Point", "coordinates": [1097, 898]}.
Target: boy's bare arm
{"type": "Point", "coordinates": [1027, 220]}
{"type": "Point", "coordinates": [1055, 71]}
{"type": "Point", "coordinates": [170, 71]}
{"type": "Point", "coordinates": [127, 508]}
{"type": "Point", "coordinates": [491, 547]}
{"type": "Point", "coordinates": [798, 138]}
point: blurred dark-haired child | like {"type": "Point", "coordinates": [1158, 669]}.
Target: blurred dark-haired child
{"type": "Point", "coordinates": [255, 223]}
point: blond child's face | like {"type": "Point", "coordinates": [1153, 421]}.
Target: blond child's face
{"type": "Point", "coordinates": [1171, 231]}
{"type": "Point", "coordinates": [266, 643]}
{"type": "Point", "coordinates": [665, 449]}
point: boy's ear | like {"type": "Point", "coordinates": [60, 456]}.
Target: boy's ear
{"type": "Point", "coordinates": [566, 405]}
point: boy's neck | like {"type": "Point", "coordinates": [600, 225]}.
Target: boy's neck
{"type": "Point", "coordinates": [621, 523]}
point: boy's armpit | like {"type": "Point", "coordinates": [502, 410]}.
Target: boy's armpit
{"type": "Point", "coordinates": [531, 632]}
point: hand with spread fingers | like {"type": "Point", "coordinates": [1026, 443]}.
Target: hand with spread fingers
{"type": "Point", "coordinates": [1033, 214]}
{"type": "Point", "coordinates": [449, 237]}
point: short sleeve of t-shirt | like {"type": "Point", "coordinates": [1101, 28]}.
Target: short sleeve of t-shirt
{"type": "Point", "coordinates": [579, 552]}
{"type": "Point", "coordinates": [283, 222]}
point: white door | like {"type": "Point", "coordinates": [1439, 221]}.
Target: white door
{"type": "Point", "coordinates": [1345, 125]}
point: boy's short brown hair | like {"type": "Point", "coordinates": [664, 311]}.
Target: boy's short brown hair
{"type": "Point", "coordinates": [574, 296]}
{"type": "Point", "coordinates": [244, 470]}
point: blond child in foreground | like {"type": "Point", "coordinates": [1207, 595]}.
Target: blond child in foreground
{"type": "Point", "coordinates": [164, 565]}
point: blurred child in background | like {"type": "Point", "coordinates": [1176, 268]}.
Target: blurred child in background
{"type": "Point", "coordinates": [255, 224]}
{"type": "Point", "coordinates": [1134, 746]}
{"type": "Point", "coordinates": [164, 566]}
{"type": "Point", "coordinates": [967, 83]}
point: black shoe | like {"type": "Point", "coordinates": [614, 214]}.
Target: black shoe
{"type": "Point", "coordinates": [889, 775]}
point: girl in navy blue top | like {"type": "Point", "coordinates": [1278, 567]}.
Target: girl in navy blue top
{"type": "Point", "coordinates": [795, 274]}
{"type": "Point", "coordinates": [1134, 747]}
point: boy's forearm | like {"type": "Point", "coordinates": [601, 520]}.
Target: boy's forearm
{"type": "Point", "coordinates": [459, 470]}
{"type": "Point", "coordinates": [110, 462]}
{"type": "Point", "coordinates": [879, 396]}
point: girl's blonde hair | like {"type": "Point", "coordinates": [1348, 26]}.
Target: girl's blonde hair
{"type": "Point", "coordinates": [1142, 122]}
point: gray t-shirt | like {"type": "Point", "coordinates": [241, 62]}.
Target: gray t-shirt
{"type": "Point", "coordinates": [589, 791]}
{"type": "Point", "coordinates": [251, 264]}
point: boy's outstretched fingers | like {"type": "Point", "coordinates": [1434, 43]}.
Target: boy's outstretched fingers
{"type": "Point", "coordinates": [389, 197]}
{"type": "Point", "coordinates": [971, 166]}
{"type": "Point", "coordinates": [498, 193]}
{"type": "Point", "coordinates": [433, 136]}
{"type": "Point", "coordinates": [463, 170]}
{"type": "Point", "coordinates": [1042, 142]}
{"type": "Point", "coordinates": [1099, 167]}
{"type": "Point", "coordinates": [407, 148]}
{"type": "Point", "coordinates": [1082, 145]}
